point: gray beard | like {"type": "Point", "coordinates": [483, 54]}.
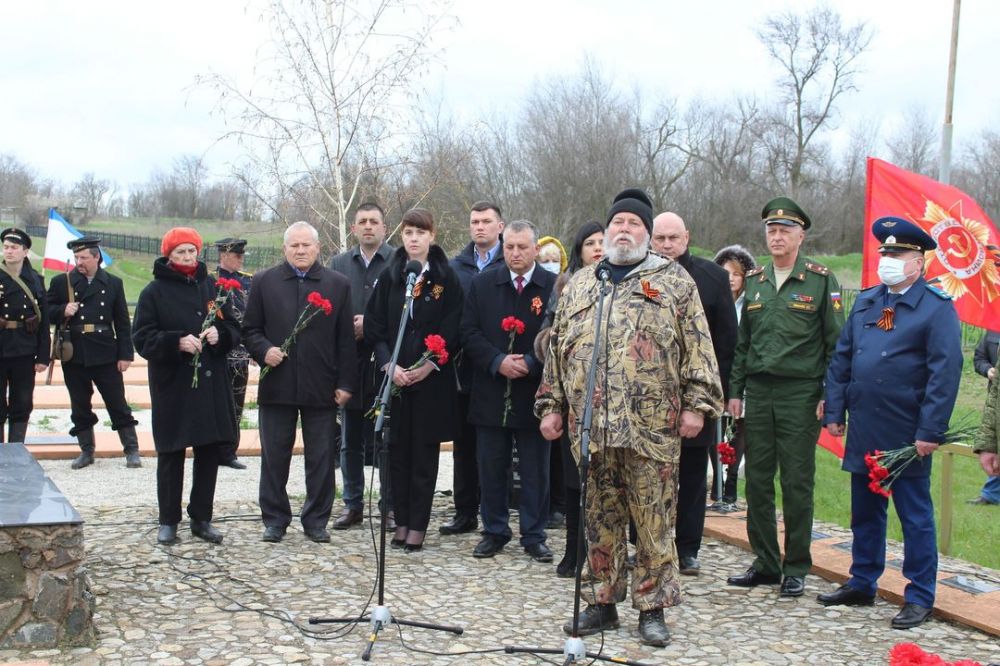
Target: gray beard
{"type": "Point", "coordinates": [625, 256]}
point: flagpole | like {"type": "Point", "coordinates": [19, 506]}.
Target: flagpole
{"type": "Point", "coordinates": [944, 167]}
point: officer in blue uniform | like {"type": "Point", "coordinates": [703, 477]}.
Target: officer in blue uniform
{"type": "Point", "coordinates": [896, 372]}
{"type": "Point", "coordinates": [231, 252]}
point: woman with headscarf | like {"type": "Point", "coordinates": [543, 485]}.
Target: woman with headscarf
{"type": "Point", "coordinates": [423, 413]}
{"type": "Point", "coordinates": [168, 333]}
{"type": "Point", "coordinates": [737, 261]}
{"type": "Point", "coordinates": [588, 249]}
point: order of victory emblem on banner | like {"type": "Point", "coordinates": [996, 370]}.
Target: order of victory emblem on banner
{"type": "Point", "coordinates": [965, 263]}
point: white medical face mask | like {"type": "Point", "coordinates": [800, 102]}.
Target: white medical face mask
{"type": "Point", "coordinates": [551, 266]}
{"type": "Point", "coordinates": [891, 271]}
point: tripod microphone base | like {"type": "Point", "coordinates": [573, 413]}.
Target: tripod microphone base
{"type": "Point", "coordinates": [574, 649]}
{"type": "Point", "coordinates": [381, 615]}
{"type": "Point", "coordinates": [574, 652]}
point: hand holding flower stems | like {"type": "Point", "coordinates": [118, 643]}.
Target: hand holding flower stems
{"type": "Point", "coordinates": [436, 347]}
{"type": "Point", "coordinates": [315, 303]}
{"type": "Point", "coordinates": [514, 327]}
{"type": "Point", "coordinates": [209, 333]}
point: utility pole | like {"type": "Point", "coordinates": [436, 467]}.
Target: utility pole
{"type": "Point", "coordinates": [944, 167]}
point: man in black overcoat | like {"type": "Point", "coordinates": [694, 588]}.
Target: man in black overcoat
{"type": "Point", "coordinates": [362, 265]}
{"type": "Point", "coordinates": [312, 379]}
{"type": "Point", "coordinates": [89, 304]}
{"type": "Point", "coordinates": [481, 254]}
{"type": "Point", "coordinates": [521, 289]}
{"type": "Point", "coordinates": [671, 238]}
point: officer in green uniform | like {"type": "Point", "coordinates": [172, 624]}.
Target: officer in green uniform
{"type": "Point", "coordinates": [792, 315]}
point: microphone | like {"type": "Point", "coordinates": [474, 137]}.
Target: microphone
{"type": "Point", "coordinates": [603, 270]}
{"type": "Point", "coordinates": [413, 269]}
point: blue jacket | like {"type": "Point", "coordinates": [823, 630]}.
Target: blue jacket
{"type": "Point", "coordinates": [899, 385]}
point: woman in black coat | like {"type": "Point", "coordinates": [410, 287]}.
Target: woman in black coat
{"type": "Point", "coordinates": [167, 333]}
{"type": "Point", "coordinates": [423, 414]}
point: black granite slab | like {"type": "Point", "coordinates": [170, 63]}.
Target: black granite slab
{"type": "Point", "coordinates": [970, 585]}
{"type": "Point", "coordinates": [27, 495]}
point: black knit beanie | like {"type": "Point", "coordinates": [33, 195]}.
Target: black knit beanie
{"type": "Point", "coordinates": [634, 200]}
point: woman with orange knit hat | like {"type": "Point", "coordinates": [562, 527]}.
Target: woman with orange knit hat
{"type": "Point", "coordinates": [188, 380]}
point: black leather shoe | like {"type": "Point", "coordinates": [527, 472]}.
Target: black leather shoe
{"type": "Point", "coordinates": [167, 534]}
{"type": "Point", "coordinates": [204, 530]}
{"type": "Point", "coordinates": [912, 615]}
{"type": "Point", "coordinates": [689, 566]}
{"type": "Point", "coordinates": [752, 578]}
{"type": "Point", "coordinates": [488, 547]}
{"type": "Point", "coordinates": [390, 522]}
{"type": "Point", "coordinates": [652, 629]}
{"type": "Point", "coordinates": [793, 586]}
{"type": "Point", "coordinates": [85, 459]}
{"type": "Point", "coordinates": [557, 520]}
{"type": "Point", "coordinates": [412, 547]}
{"type": "Point", "coordinates": [594, 619]}
{"type": "Point", "coordinates": [460, 525]}
{"type": "Point", "coordinates": [273, 534]}
{"type": "Point", "coordinates": [397, 543]}
{"type": "Point", "coordinates": [348, 518]}
{"type": "Point", "coordinates": [980, 501]}
{"type": "Point", "coordinates": [567, 566]}
{"type": "Point", "coordinates": [845, 595]}
{"type": "Point", "coordinates": [233, 463]}
{"type": "Point", "coordinates": [539, 552]}
{"type": "Point", "coordinates": [317, 534]}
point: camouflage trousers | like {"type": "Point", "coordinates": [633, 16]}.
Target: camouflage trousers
{"type": "Point", "coordinates": [622, 485]}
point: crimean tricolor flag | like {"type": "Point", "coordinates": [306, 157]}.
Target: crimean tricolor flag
{"type": "Point", "coordinates": [966, 263]}
{"type": "Point", "coordinates": [57, 256]}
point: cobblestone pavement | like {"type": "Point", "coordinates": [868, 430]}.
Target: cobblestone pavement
{"type": "Point", "coordinates": [247, 602]}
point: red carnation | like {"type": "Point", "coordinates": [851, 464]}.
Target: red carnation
{"type": "Point", "coordinates": [512, 323]}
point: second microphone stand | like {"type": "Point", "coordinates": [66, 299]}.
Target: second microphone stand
{"type": "Point", "coordinates": [574, 649]}
{"type": "Point", "coordinates": [381, 617]}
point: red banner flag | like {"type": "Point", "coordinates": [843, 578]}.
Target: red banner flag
{"type": "Point", "coordinates": [965, 263]}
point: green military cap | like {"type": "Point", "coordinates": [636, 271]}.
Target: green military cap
{"type": "Point", "coordinates": [785, 211]}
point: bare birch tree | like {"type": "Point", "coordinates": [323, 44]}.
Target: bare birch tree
{"type": "Point", "coordinates": [329, 105]}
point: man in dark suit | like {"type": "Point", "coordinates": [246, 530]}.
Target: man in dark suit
{"type": "Point", "coordinates": [505, 378]}
{"type": "Point", "coordinates": [96, 317]}
{"type": "Point", "coordinates": [896, 370]}
{"type": "Point", "coordinates": [362, 265]}
{"type": "Point", "coordinates": [316, 375]}
{"type": "Point", "coordinates": [671, 238]}
{"type": "Point", "coordinates": [483, 253]}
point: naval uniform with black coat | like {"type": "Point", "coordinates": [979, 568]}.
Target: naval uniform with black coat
{"type": "Point", "coordinates": [492, 297]}
{"type": "Point", "coordinates": [895, 387]}
{"type": "Point", "coordinates": [465, 475]}
{"type": "Point", "coordinates": [101, 335]}
{"type": "Point", "coordinates": [424, 414]}
{"type": "Point", "coordinates": [717, 299]}
{"type": "Point", "coordinates": [171, 307]}
{"type": "Point", "coordinates": [322, 360]}
{"type": "Point", "coordinates": [359, 431]}
{"type": "Point", "coordinates": [19, 349]}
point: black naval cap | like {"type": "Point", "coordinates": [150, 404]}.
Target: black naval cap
{"type": "Point", "coordinates": [83, 243]}
{"type": "Point", "coordinates": [785, 211]}
{"type": "Point", "coordinates": [15, 235]}
{"type": "Point", "coordinates": [237, 245]}
{"type": "Point", "coordinates": [895, 234]}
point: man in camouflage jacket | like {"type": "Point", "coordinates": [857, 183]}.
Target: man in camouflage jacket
{"type": "Point", "coordinates": [657, 381]}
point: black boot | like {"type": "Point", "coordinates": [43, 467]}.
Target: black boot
{"type": "Point", "coordinates": [567, 565]}
{"type": "Point", "coordinates": [594, 619]}
{"type": "Point", "coordinates": [17, 432]}
{"type": "Point", "coordinates": [652, 629]}
{"type": "Point", "coordinates": [130, 443]}
{"type": "Point", "coordinates": [86, 457]}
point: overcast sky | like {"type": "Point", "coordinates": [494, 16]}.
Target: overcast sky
{"type": "Point", "coordinates": [106, 86]}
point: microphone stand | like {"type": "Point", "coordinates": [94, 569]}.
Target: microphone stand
{"type": "Point", "coordinates": [573, 648]}
{"type": "Point", "coordinates": [381, 617]}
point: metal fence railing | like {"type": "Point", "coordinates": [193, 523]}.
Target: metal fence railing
{"type": "Point", "coordinates": [255, 258]}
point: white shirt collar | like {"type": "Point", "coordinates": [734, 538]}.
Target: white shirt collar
{"type": "Point", "coordinates": [526, 276]}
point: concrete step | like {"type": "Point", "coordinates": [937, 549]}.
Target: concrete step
{"type": "Point", "coordinates": [831, 557]}
{"type": "Point", "coordinates": [56, 397]}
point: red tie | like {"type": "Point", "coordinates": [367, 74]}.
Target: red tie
{"type": "Point", "coordinates": [519, 280]}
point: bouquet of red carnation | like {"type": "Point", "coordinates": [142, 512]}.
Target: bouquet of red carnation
{"type": "Point", "coordinates": [911, 654]}
{"type": "Point", "coordinates": [727, 454]}
{"type": "Point", "coordinates": [435, 347]}
{"type": "Point", "coordinates": [225, 287]}
{"type": "Point", "coordinates": [884, 467]}
{"type": "Point", "coordinates": [315, 303]}
{"type": "Point", "coordinates": [514, 327]}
